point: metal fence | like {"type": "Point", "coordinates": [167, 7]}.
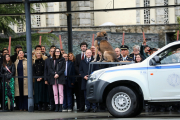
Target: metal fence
{"type": "Point", "coordinates": [110, 64]}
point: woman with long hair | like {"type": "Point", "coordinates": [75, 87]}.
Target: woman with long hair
{"type": "Point", "coordinates": [138, 58]}
{"type": "Point", "coordinates": [8, 70]}
{"type": "Point", "coordinates": [57, 77]}
{"type": "Point", "coordinates": [40, 88]}
{"type": "Point", "coordinates": [21, 84]}
{"type": "Point", "coordinates": [71, 57]}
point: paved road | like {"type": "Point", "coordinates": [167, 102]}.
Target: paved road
{"type": "Point", "coordinates": [16, 115]}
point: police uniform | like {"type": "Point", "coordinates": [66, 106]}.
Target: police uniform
{"type": "Point", "coordinates": [127, 58]}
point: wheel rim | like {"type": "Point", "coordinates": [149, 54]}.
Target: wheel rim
{"type": "Point", "coordinates": [121, 102]}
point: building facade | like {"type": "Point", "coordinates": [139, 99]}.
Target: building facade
{"type": "Point", "coordinates": [160, 22]}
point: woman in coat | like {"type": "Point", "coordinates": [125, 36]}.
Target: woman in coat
{"type": "Point", "coordinates": [40, 88]}
{"type": "Point", "coordinates": [8, 70]}
{"type": "Point", "coordinates": [21, 84]}
{"type": "Point", "coordinates": [57, 77]}
{"type": "Point", "coordinates": [138, 58]}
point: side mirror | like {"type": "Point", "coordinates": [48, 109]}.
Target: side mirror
{"type": "Point", "coordinates": [154, 61]}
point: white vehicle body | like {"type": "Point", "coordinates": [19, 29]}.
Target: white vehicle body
{"type": "Point", "coordinates": [158, 83]}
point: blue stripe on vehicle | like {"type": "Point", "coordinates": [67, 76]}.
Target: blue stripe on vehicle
{"type": "Point", "coordinates": [145, 68]}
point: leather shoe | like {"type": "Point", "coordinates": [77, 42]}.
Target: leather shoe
{"type": "Point", "coordinates": [81, 109]}
{"type": "Point", "coordinates": [87, 110]}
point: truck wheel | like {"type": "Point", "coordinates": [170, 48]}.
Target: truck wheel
{"type": "Point", "coordinates": [122, 102]}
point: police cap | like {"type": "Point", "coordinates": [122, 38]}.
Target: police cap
{"type": "Point", "coordinates": [124, 47]}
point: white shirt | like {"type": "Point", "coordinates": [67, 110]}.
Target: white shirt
{"type": "Point", "coordinates": [88, 59]}
{"type": "Point", "coordinates": [124, 58]}
{"type": "Point", "coordinates": [66, 68]}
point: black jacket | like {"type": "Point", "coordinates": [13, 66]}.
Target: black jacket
{"type": "Point", "coordinates": [70, 72]}
{"type": "Point", "coordinates": [59, 68]}
{"type": "Point", "coordinates": [6, 72]}
{"type": "Point", "coordinates": [83, 70]}
{"type": "Point", "coordinates": [128, 58]}
{"type": "Point", "coordinates": [38, 67]}
{"type": "Point", "coordinates": [77, 63]}
{"type": "Point", "coordinates": [46, 69]}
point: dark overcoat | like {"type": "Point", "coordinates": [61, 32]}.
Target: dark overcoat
{"type": "Point", "coordinates": [83, 70]}
{"type": "Point", "coordinates": [58, 68]}
{"type": "Point", "coordinates": [46, 69]}
{"type": "Point", "coordinates": [70, 72]}
{"type": "Point", "coordinates": [40, 88]}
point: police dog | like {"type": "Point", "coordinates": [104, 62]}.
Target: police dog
{"type": "Point", "coordinates": [107, 52]}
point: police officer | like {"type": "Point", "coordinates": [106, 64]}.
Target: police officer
{"type": "Point", "coordinates": [124, 54]}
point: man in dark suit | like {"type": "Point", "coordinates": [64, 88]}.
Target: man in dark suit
{"type": "Point", "coordinates": [46, 75]}
{"type": "Point", "coordinates": [118, 53]}
{"type": "Point", "coordinates": [69, 71]}
{"type": "Point", "coordinates": [83, 70]}
{"type": "Point", "coordinates": [80, 94]}
{"type": "Point", "coordinates": [124, 54]}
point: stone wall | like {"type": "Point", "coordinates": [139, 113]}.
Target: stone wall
{"type": "Point", "coordinates": [137, 12]}
{"type": "Point", "coordinates": [177, 9]}
{"type": "Point", "coordinates": [115, 39]}
{"type": "Point", "coordinates": [159, 12]}
{"type": "Point", "coordinates": [133, 34]}
{"type": "Point", "coordinates": [78, 19]}
{"type": "Point", "coordinates": [50, 17]}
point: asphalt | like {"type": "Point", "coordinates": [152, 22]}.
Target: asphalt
{"type": "Point", "coordinates": [17, 115]}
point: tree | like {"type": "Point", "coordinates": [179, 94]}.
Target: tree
{"type": "Point", "coordinates": [47, 40]}
{"type": "Point", "coordinates": [6, 21]}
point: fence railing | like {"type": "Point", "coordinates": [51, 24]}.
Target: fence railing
{"type": "Point", "coordinates": [110, 64]}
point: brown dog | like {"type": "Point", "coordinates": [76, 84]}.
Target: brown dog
{"type": "Point", "coordinates": [105, 48]}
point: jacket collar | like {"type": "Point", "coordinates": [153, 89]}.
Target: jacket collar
{"type": "Point", "coordinates": [89, 61]}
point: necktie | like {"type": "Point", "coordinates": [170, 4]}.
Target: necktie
{"type": "Point", "coordinates": [82, 56]}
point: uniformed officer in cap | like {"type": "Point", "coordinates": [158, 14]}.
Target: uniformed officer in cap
{"type": "Point", "coordinates": [124, 54]}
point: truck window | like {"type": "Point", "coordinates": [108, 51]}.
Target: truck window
{"type": "Point", "coordinates": [170, 55]}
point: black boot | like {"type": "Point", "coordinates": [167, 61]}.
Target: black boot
{"type": "Point", "coordinates": [52, 108]}
{"type": "Point", "coordinates": [44, 107]}
{"type": "Point", "coordinates": [56, 110]}
{"type": "Point", "coordinates": [12, 105]}
{"type": "Point", "coordinates": [60, 108]}
{"type": "Point", "coordinates": [40, 107]}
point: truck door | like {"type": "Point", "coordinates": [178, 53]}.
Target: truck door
{"type": "Point", "coordinates": [164, 78]}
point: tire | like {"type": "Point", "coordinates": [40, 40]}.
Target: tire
{"type": "Point", "coordinates": [140, 107]}
{"type": "Point", "coordinates": [126, 104]}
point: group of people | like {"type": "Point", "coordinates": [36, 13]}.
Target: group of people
{"type": "Point", "coordinates": [57, 77]}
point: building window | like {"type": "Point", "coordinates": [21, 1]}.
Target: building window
{"type": "Point", "coordinates": [19, 27]}
{"type": "Point", "coordinates": [166, 12]}
{"type": "Point", "coordinates": [38, 17]}
{"type": "Point", "coordinates": [146, 12]}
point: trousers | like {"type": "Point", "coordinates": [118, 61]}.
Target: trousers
{"type": "Point", "coordinates": [88, 104]}
{"type": "Point", "coordinates": [56, 88]}
{"type": "Point", "coordinates": [67, 97]}
{"type": "Point", "coordinates": [23, 100]}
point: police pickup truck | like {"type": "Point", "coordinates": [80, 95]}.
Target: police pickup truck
{"type": "Point", "coordinates": [125, 89]}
